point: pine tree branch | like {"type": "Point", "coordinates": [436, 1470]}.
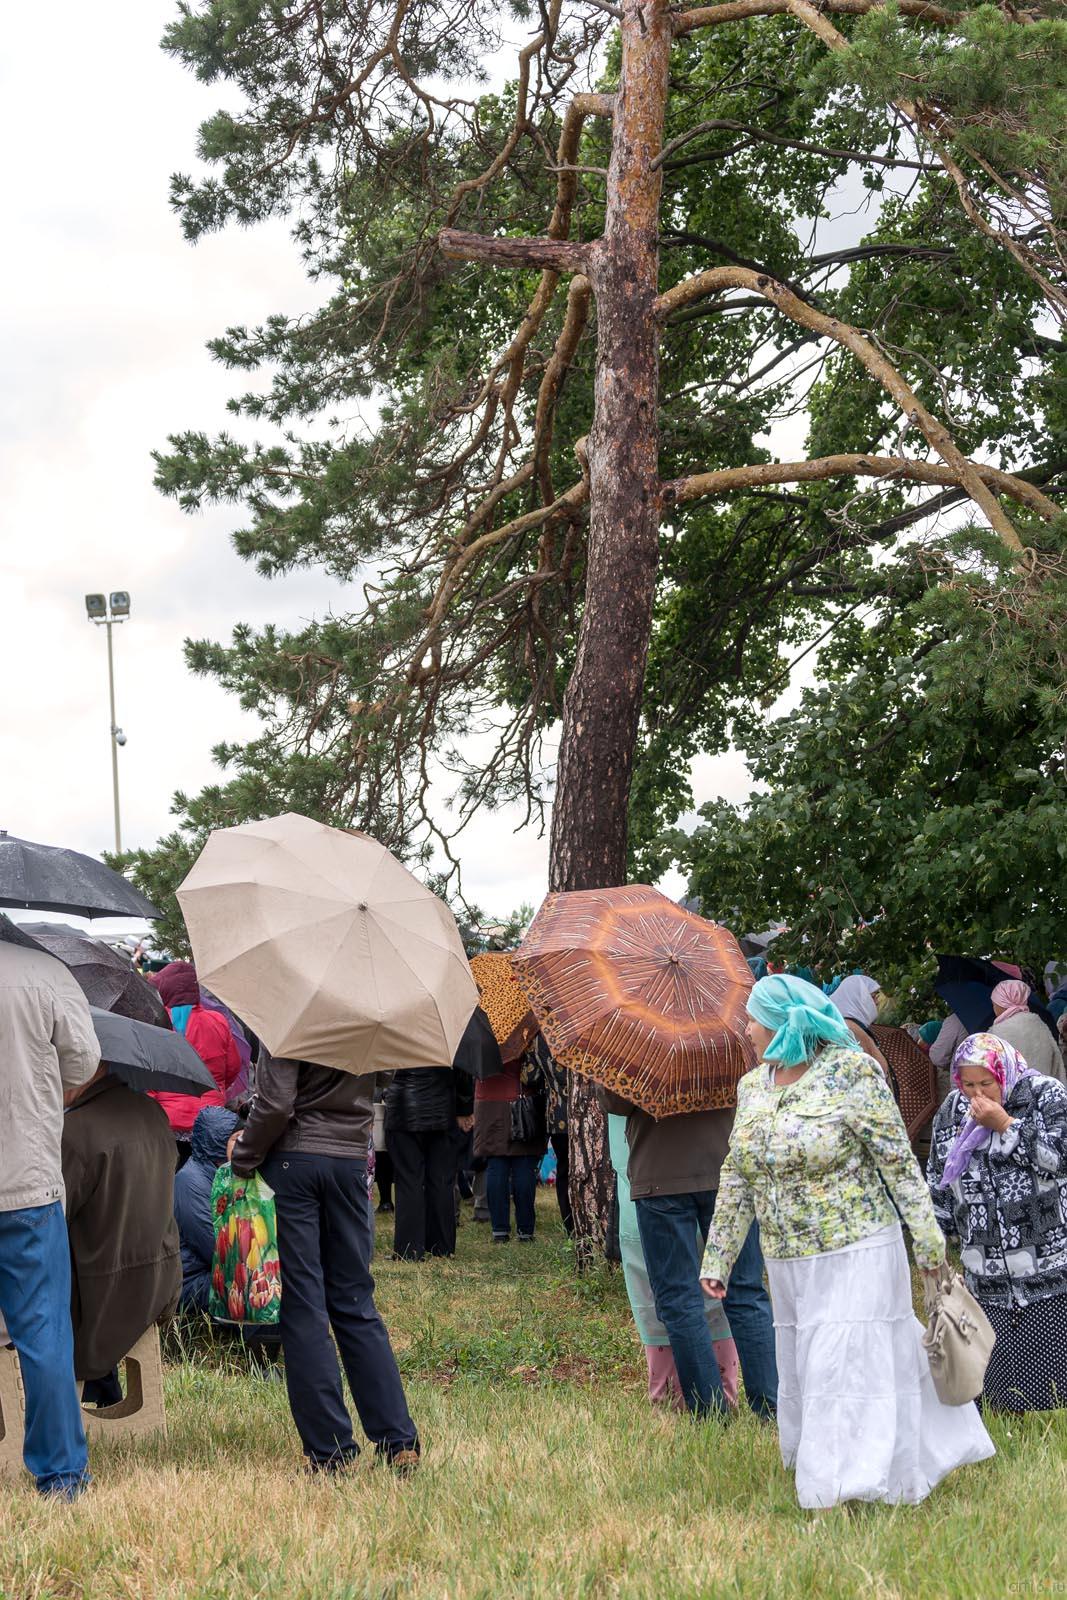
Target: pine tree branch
{"type": "Point", "coordinates": [725, 125]}
{"type": "Point", "coordinates": [878, 365]}
{"type": "Point", "coordinates": [728, 479]}
{"type": "Point", "coordinates": [560, 255]}
{"type": "Point", "coordinates": [739, 10]}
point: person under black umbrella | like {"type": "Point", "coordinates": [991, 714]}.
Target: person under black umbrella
{"type": "Point", "coordinates": [210, 1036]}
{"type": "Point", "coordinates": [118, 1175]}
{"type": "Point", "coordinates": [49, 1047]}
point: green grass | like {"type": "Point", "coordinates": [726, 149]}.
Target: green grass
{"type": "Point", "coordinates": [545, 1474]}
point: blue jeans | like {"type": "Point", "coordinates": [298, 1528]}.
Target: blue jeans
{"type": "Point", "coordinates": [325, 1236]}
{"type": "Point", "coordinates": [668, 1225]}
{"type": "Point", "coordinates": [504, 1176]}
{"type": "Point", "coordinates": [35, 1304]}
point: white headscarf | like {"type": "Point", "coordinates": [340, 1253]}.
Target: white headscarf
{"type": "Point", "coordinates": [1055, 976]}
{"type": "Point", "coordinates": [854, 998]}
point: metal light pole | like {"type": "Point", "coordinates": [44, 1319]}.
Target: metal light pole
{"type": "Point", "coordinates": [109, 610]}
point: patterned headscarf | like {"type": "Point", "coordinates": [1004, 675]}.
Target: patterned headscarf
{"type": "Point", "coordinates": [800, 1016]}
{"type": "Point", "coordinates": [1003, 1062]}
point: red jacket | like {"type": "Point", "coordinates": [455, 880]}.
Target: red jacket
{"type": "Point", "coordinates": [209, 1034]}
{"type": "Point", "coordinates": [502, 1085]}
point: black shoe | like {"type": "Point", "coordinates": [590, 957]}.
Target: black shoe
{"type": "Point", "coordinates": [526, 1238]}
{"type": "Point", "coordinates": [502, 1238]}
{"type": "Point", "coordinates": [385, 1208]}
{"type": "Point", "coordinates": [335, 1467]}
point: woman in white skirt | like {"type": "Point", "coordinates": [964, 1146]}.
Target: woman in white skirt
{"type": "Point", "coordinates": [819, 1157]}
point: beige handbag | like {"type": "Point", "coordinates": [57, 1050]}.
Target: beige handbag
{"type": "Point", "coordinates": [959, 1338]}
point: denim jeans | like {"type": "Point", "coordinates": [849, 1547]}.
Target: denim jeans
{"type": "Point", "coordinates": [35, 1304]}
{"type": "Point", "coordinates": [669, 1238]}
{"type": "Point", "coordinates": [505, 1176]}
{"type": "Point", "coordinates": [325, 1235]}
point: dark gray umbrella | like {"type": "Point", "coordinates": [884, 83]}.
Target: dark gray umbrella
{"type": "Point", "coordinates": [54, 928]}
{"type": "Point", "coordinates": [479, 1053]}
{"type": "Point", "coordinates": [148, 1058]}
{"type": "Point", "coordinates": [106, 978]}
{"type": "Point", "coordinates": [44, 877]}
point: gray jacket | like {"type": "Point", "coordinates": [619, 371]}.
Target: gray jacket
{"type": "Point", "coordinates": [47, 1045]}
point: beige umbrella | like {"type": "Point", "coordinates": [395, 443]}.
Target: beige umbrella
{"type": "Point", "coordinates": [327, 946]}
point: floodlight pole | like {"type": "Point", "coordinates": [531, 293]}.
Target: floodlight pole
{"type": "Point", "coordinates": [114, 741]}
{"type": "Point", "coordinates": [108, 610]}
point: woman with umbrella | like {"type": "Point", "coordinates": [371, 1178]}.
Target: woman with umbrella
{"type": "Point", "coordinates": [998, 1176]}
{"type": "Point", "coordinates": [819, 1156]}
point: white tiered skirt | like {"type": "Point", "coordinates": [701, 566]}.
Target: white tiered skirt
{"type": "Point", "coordinates": [858, 1416]}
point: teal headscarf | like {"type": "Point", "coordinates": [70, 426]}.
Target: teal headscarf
{"type": "Point", "coordinates": [800, 1017]}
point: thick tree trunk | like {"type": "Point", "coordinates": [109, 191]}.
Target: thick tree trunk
{"type": "Point", "coordinates": [603, 699]}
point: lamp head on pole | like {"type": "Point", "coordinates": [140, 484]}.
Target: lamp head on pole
{"type": "Point", "coordinates": [114, 607]}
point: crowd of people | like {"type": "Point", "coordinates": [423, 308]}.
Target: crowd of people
{"type": "Point", "coordinates": [761, 1246]}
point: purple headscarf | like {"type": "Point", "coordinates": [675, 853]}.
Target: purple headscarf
{"type": "Point", "coordinates": [1003, 1062]}
{"type": "Point", "coordinates": [211, 1002]}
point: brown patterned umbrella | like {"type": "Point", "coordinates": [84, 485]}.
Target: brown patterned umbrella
{"type": "Point", "coordinates": [914, 1073]}
{"type": "Point", "coordinates": [641, 996]}
{"type": "Point", "coordinates": [504, 1003]}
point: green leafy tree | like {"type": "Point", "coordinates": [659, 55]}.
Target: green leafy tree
{"type": "Point", "coordinates": [917, 801]}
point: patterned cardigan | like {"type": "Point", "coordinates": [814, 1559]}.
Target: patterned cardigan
{"type": "Point", "coordinates": [816, 1164]}
{"type": "Point", "coordinates": [1008, 1209]}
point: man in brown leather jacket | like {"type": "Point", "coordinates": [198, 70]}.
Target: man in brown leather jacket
{"type": "Point", "coordinates": [308, 1131]}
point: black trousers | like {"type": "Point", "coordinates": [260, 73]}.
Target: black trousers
{"type": "Point", "coordinates": [563, 1180]}
{"type": "Point", "coordinates": [383, 1176]}
{"type": "Point", "coordinates": [424, 1173]}
{"type": "Point", "coordinates": [325, 1236]}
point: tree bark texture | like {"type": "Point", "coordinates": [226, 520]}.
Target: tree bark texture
{"type": "Point", "coordinates": [603, 699]}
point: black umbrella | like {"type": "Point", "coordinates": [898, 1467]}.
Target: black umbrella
{"type": "Point", "coordinates": [479, 1053]}
{"type": "Point", "coordinates": [106, 978]}
{"type": "Point", "coordinates": [43, 877]}
{"type": "Point", "coordinates": [756, 944]}
{"type": "Point", "coordinates": [148, 1058]}
{"type": "Point", "coordinates": [966, 984]}
{"type": "Point", "coordinates": [11, 933]}
{"type": "Point", "coordinates": [54, 928]}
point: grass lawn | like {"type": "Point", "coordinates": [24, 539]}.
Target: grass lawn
{"type": "Point", "coordinates": [545, 1473]}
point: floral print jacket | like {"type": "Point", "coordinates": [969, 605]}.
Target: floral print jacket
{"type": "Point", "coordinates": [1008, 1208]}
{"type": "Point", "coordinates": [815, 1164]}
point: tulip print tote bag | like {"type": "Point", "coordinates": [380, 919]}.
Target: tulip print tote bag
{"type": "Point", "coordinates": [246, 1284]}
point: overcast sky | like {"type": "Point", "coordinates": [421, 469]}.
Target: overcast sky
{"type": "Point", "coordinates": [106, 312]}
